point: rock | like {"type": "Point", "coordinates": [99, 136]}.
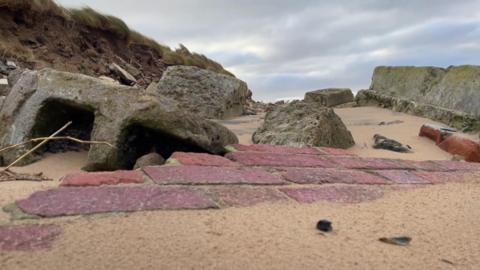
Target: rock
{"type": "Point", "coordinates": [108, 79]}
{"type": "Point", "coordinates": [11, 65]}
{"type": "Point", "coordinates": [299, 123]}
{"type": "Point", "coordinates": [4, 87]}
{"type": "Point", "coordinates": [2, 100]}
{"type": "Point", "coordinates": [125, 77]}
{"type": "Point", "coordinates": [454, 88]}
{"type": "Point", "coordinates": [3, 68]}
{"type": "Point", "coordinates": [330, 97]}
{"type": "Point", "coordinates": [382, 142]}
{"type": "Point", "coordinates": [398, 241]}
{"type": "Point", "coordinates": [151, 159]}
{"type": "Point", "coordinates": [453, 118]}
{"type": "Point", "coordinates": [43, 101]}
{"type": "Point", "coordinates": [324, 225]}
{"type": "Point", "coordinates": [14, 75]}
{"type": "Point", "coordinates": [203, 92]}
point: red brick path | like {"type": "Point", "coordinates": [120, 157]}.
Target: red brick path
{"type": "Point", "coordinates": [248, 175]}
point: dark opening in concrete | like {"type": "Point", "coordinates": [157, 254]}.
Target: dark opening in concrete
{"type": "Point", "coordinates": [138, 140]}
{"type": "Point", "coordinates": [56, 113]}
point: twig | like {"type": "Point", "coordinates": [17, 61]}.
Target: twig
{"type": "Point", "coordinates": [55, 138]}
{"type": "Point", "coordinates": [6, 176]}
{"type": "Point", "coordinates": [38, 145]}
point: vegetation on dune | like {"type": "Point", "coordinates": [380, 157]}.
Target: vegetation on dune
{"type": "Point", "coordinates": [88, 17]}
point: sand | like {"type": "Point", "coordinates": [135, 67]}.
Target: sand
{"type": "Point", "coordinates": [443, 221]}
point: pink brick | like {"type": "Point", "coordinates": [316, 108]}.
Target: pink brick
{"type": "Point", "coordinates": [278, 149]}
{"type": "Point", "coordinates": [91, 200]}
{"type": "Point", "coordinates": [201, 159]}
{"type": "Point", "coordinates": [335, 151]}
{"type": "Point", "coordinates": [403, 177]}
{"type": "Point", "coordinates": [342, 194]}
{"type": "Point", "coordinates": [103, 178]}
{"type": "Point", "coordinates": [322, 176]}
{"type": "Point", "coordinates": [211, 175]}
{"type": "Point", "coordinates": [245, 196]}
{"type": "Point", "coordinates": [279, 160]}
{"type": "Point", "coordinates": [371, 163]}
{"type": "Point", "coordinates": [448, 165]}
{"type": "Point", "coordinates": [28, 237]}
{"type": "Point", "coordinates": [441, 177]}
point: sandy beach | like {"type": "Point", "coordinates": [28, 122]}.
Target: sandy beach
{"type": "Point", "coordinates": [442, 221]}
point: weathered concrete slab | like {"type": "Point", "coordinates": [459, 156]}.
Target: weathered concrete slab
{"type": "Point", "coordinates": [322, 176]}
{"type": "Point", "coordinates": [403, 177]}
{"type": "Point", "coordinates": [28, 237]}
{"type": "Point", "coordinates": [211, 175]}
{"type": "Point", "coordinates": [201, 159]}
{"type": "Point", "coordinates": [371, 163]}
{"type": "Point", "coordinates": [341, 194]}
{"type": "Point", "coordinates": [246, 196]}
{"type": "Point", "coordinates": [103, 178]}
{"type": "Point", "coordinates": [91, 200]}
{"type": "Point", "coordinates": [278, 149]}
{"type": "Point", "coordinates": [282, 160]}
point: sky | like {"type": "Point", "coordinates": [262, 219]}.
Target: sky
{"type": "Point", "coordinates": [283, 49]}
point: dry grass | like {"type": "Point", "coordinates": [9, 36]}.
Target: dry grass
{"type": "Point", "coordinates": [90, 18]}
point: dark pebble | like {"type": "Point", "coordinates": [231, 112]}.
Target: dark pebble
{"type": "Point", "coordinates": [324, 225]}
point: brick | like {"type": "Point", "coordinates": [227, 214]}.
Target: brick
{"type": "Point", "coordinates": [278, 149]}
{"type": "Point", "coordinates": [335, 151]}
{"type": "Point", "coordinates": [91, 200]}
{"type": "Point", "coordinates": [103, 178]}
{"type": "Point", "coordinates": [435, 133]}
{"type": "Point", "coordinates": [462, 146]}
{"type": "Point", "coordinates": [371, 163]}
{"type": "Point", "coordinates": [449, 165]}
{"type": "Point", "coordinates": [211, 175]}
{"type": "Point", "coordinates": [403, 177]}
{"type": "Point", "coordinates": [322, 176]}
{"type": "Point", "coordinates": [279, 160]}
{"type": "Point", "coordinates": [341, 194]}
{"type": "Point", "coordinates": [441, 177]}
{"type": "Point", "coordinates": [28, 237]}
{"type": "Point", "coordinates": [202, 159]}
{"type": "Point", "coordinates": [245, 196]}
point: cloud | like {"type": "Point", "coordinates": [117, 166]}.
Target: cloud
{"type": "Point", "coordinates": [285, 48]}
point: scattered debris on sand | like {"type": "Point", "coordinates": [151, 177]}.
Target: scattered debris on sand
{"type": "Point", "coordinates": [382, 142]}
{"type": "Point", "coordinates": [398, 241]}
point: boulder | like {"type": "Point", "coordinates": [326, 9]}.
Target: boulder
{"type": "Point", "coordinates": [203, 92]}
{"type": "Point", "coordinates": [133, 123]}
{"type": "Point", "coordinates": [125, 77]}
{"type": "Point", "coordinates": [299, 123]}
{"type": "Point", "coordinates": [330, 97]}
{"type": "Point", "coordinates": [152, 159]}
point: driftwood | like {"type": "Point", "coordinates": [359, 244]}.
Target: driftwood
{"type": "Point", "coordinates": [7, 175]}
{"type": "Point", "coordinates": [53, 139]}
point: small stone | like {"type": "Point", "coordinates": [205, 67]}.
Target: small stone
{"type": "Point", "coordinates": [324, 225]}
{"type": "Point", "coordinates": [152, 159]}
{"type": "Point", "coordinates": [125, 77]}
{"type": "Point", "coordinates": [399, 241]}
